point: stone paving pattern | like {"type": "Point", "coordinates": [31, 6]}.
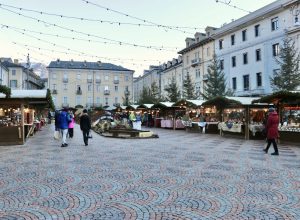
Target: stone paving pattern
{"type": "Point", "coordinates": [179, 175]}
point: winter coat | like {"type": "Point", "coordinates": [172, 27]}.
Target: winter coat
{"type": "Point", "coordinates": [63, 120]}
{"type": "Point", "coordinates": [85, 122]}
{"type": "Point", "coordinates": [272, 126]}
{"type": "Point", "coordinates": [72, 123]}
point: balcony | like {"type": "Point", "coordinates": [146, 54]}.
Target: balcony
{"type": "Point", "coordinates": [65, 80]}
{"type": "Point", "coordinates": [116, 81]}
{"type": "Point", "coordinates": [195, 62]}
{"type": "Point", "coordinates": [54, 91]}
{"type": "Point", "coordinates": [98, 80]}
{"type": "Point", "coordinates": [89, 80]}
{"type": "Point", "coordinates": [106, 92]}
{"type": "Point", "coordinates": [205, 77]}
{"type": "Point", "coordinates": [65, 105]}
{"type": "Point", "coordinates": [79, 92]}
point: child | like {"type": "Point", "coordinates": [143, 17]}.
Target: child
{"type": "Point", "coordinates": [71, 125]}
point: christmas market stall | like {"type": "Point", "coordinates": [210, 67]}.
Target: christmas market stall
{"type": "Point", "coordinates": [22, 114]}
{"type": "Point", "coordinates": [168, 116]}
{"type": "Point", "coordinates": [147, 114]}
{"type": "Point", "coordinates": [287, 105]}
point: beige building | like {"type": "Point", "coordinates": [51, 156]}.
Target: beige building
{"type": "Point", "coordinates": [19, 77]}
{"type": "Point", "coordinates": [145, 81]}
{"type": "Point", "coordinates": [3, 74]}
{"type": "Point", "coordinates": [196, 58]}
{"type": "Point", "coordinates": [169, 70]}
{"type": "Point", "coordinates": [89, 84]}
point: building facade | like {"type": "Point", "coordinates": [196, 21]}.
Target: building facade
{"type": "Point", "coordinates": [3, 74]}
{"type": "Point", "coordinates": [88, 84]}
{"type": "Point", "coordinates": [248, 47]}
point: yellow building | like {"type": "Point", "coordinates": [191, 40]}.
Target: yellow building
{"type": "Point", "coordinates": [88, 84]}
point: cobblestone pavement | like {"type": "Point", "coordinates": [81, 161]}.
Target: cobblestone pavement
{"type": "Point", "coordinates": [179, 175]}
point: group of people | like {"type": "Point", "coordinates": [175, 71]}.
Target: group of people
{"type": "Point", "coordinates": [65, 121]}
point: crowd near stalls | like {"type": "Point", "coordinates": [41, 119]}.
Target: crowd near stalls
{"type": "Point", "coordinates": [22, 114]}
{"type": "Point", "coordinates": [287, 105]}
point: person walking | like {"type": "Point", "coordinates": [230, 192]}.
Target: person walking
{"type": "Point", "coordinates": [71, 125]}
{"type": "Point", "coordinates": [272, 131]}
{"type": "Point", "coordinates": [85, 126]}
{"type": "Point", "coordinates": [63, 121]}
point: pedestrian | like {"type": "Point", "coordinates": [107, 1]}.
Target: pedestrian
{"type": "Point", "coordinates": [272, 131]}
{"type": "Point", "coordinates": [71, 125]}
{"type": "Point", "coordinates": [64, 120]}
{"type": "Point", "coordinates": [85, 126]}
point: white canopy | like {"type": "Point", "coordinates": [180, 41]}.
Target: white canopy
{"type": "Point", "coordinates": [19, 94]}
{"type": "Point", "coordinates": [243, 100]}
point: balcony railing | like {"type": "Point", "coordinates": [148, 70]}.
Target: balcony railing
{"type": "Point", "coordinates": [78, 92]}
{"type": "Point", "coordinates": [196, 61]}
{"type": "Point", "coordinates": [65, 80]}
{"type": "Point", "coordinates": [116, 81]}
{"type": "Point", "coordinates": [54, 91]}
{"type": "Point", "coordinates": [98, 80]}
{"type": "Point", "coordinates": [89, 80]}
{"type": "Point", "coordinates": [106, 92]}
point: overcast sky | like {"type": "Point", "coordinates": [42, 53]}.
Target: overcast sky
{"type": "Point", "coordinates": [16, 43]}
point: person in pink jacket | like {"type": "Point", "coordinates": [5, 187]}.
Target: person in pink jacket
{"type": "Point", "coordinates": [71, 126]}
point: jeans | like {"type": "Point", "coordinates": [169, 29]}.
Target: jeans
{"type": "Point", "coordinates": [64, 133]}
{"type": "Point", "coordinates": [85, 134]}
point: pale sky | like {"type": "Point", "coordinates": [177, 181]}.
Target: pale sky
{"type": "Point", "coordinates": [188, 13]}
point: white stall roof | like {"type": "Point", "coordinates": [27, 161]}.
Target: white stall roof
{"type": "Point", "coordinates": [243, 100]}
{"type": "Point", "coordinates": [134, 106]}
{"type": "Point", "coordinates": [20, 94]}
{"type": "Point", "coordinates": [196, 102]}
{"type": "Point", "coordinates": [167, 104]}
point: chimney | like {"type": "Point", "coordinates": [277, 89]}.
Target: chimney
{"type": "Point", "coordinates": [16, 61]}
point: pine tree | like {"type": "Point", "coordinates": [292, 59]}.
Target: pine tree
{"type": "Point", "coordinates": [145, 97]}
{"type": "Point", "coordinates": [173, 91]}
{"type": "Point", "coordinates": [215, 85]}
{"type": "Point", "coordinates": [155, 93]}
{"type": "Point", "coordinates": [288, 78]}
{"type": "Point", "coordinates": [188, 88]}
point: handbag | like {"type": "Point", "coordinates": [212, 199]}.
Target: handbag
{"type": "Point", "coordinates": [56, 135]}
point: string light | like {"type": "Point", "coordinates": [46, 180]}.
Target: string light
{"type": "Point", "coordinates": [89, 35]}
{"type": "Point", "coordinates": [118, 23]}
{"type": "Point", "coordinates": [230, 5]}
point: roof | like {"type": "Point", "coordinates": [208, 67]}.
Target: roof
{"type": "Point", "coordinates": [85, 65]}
{"type": "Point", "coordinates": [9, 64]}
{"type": "Point", "coordinates": [196, 102]}
{"type": "Point", "coordinates": [243, 100]}
{"type": "Point", "coordinates": [145, 106]}
{"type": "Point", "coordinates": [20, 94]}
{"type": "Point", "coordinates": [196, 45]}
{"type": "Point", "coordinates": [163, 105]}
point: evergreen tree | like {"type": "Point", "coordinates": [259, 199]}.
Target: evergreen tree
{"type": "Point", "coordinates": [188, 88]}
{"type": "Point", "coordinates": [145, 97]}
{"type": "Point", "coordinates": [288, 78]}
{"type": "Point", "coordinates": [126, 98]}
{"type": "Point", "coordinates": [173, 91]}
{"type": "Point", "coordinates": [216, 85]}
{"type": "Point", "coordinates": [155, 93]}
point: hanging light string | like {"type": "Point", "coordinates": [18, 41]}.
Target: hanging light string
{"type": "Point", "coordinates": [103, 21]}
{"type": "Point", "coordinates": [166, 27]}
{"type": "Point", "coordinates": [230, 5]}
{"type": "Point", "coordinates": [86, 34]}
{"type": "Point", "coordinates": [66, 37]}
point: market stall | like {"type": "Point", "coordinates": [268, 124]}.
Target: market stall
{"type": "Point", "coordinates": [22, 115]}
{"type": "Point", "coordinates": [287, 105]}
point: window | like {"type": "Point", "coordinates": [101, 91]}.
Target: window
{"type": "Point", "coordinates": [90, 101]}
{"type": "Point", "coordinates": [78, 76]}
{"type": "Point", "coordinates": [187, 60]}
{"type": "Point", "coordinates": [233, 61]}
{"type": "Point", "coordinates": [126, 78]}
{"type": "Point", "coordinates": [13, 84]}
{"type": "Point", "coordinates": [126, 88]}
{"type": "Point", "coordinates": [78, 88]}
{"type": "Point", "coordinates": [256, 30]}
{"type": "Point", "coordinates": [244, 35]}
{"type": "Point", "coordinates": [246, 82]}
{"type": "Point", "coordinates": [232, 39]}
{"type": "Point", "coordinates": [258, 55]}
{"type": "Point", "coordinates": [116, 99]}
{"type": "Point", "coordinates": [53, 86]}
{"type": "Point", "coordinates": [89, 87]}
{"type": "Point", "coordinates": [98, 88]}
{"type": "Point", "coordinates": [245, 58]}
{"type": "Point", "coordinates": [258, 80]}
{"type": "Point", "coordinates": [65, 86]}
{"type": "Point", "coordinates": [65, 100]}
{"type": "Point", "coordinates": [197, 73]}
{"type": "Point", "coordinates": [106, 101]}
{"type": "Point", "coordinates": [221, 44]}
{"type": "Point", "coordinates": [65, 76]}
{"type": "Point", "coordinates": [222, 64]}
{"type": "Point", "coordinates": [275, 48]}
{"type": "Point", "coordinates": [116, 78]}
{"type": "Point", "coordinates": [207, 51]}
{"type": "Point", "coordinates": [98, 100]}
{"type": "Point", "coordinates": [90, 77]}
{"type": "Point", "coordinates": [116, 88]}
{"type": "Point", "coordinates": [53, 75]}
{"type": "Point", "coordinates": [78, 100]}
{"type": "Point", "coordinates": [274, 24]}
{"type": "Point", "coordinates": [106, 78]}
{"type": "Point", "coordinates": [13, 72]}
{"type": "Point", "coordinates": [106, 88]}
{"type": "Point", "coordinates": [234, 83]}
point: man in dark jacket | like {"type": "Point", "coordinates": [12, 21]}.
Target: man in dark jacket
{"type": "Point", "coordinates": [272, 130]}
{"type": "Point", "coordinates": [85, 126]}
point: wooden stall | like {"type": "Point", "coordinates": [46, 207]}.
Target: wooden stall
{"type": "Point", "coordinates": [287, 105]}
{"type": "Point", "coordinates": [21, 116]}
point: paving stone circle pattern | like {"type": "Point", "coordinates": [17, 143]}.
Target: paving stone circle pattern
{"type": "Point", "coordinates": [179, 175]}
